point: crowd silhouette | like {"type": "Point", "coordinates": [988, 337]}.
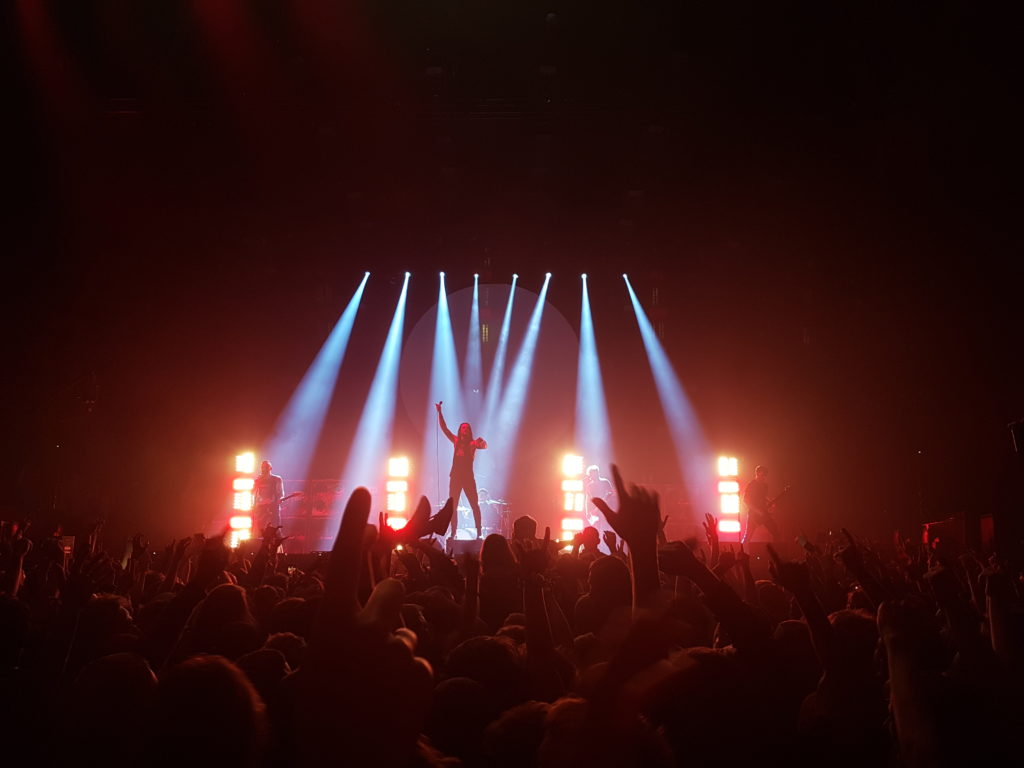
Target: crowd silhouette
{"type": "Point", "coordinates": [626, 650]}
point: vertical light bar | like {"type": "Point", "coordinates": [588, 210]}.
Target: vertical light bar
{"type": "Point", "coordinates": [593, 434]}
{"type": "Point", "coordinates": [373, 435]}
{"type": "Point", "coordinates": [729, 495]}
{"type": "Point", "coordinates": [298, 428]}
{"type": "Point", "coordinates": [687, 436]}
{"type": "Point", "coordinates": [494, 381]}
{"type": "Point", "coordinates": [513, 398]}
{"type": "Point", "coordinates": [473, 385]}
{"type": "Point", "coordinates": [444, 385]}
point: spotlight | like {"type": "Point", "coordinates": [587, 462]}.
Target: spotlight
{"type": "Point", "coordinates": [547, 274]}
{"type": "Point", "coordinates": [515, 276]}
{"type": "Point", "coordinates": [442, 274]}
{"type": "Point", "coordinates": [367, 273]}
{"type": "Point", "coordinates": [476, 276]}
{"type": "Point", "coordinates": [408, 274]}
{"type": "Point", "coordinates": [625, 276]}
{"type": "Point", "coordinates": [584, 275]}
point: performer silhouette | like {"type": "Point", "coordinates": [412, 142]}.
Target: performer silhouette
{"type": "Point", "coordinates": [461, 477]}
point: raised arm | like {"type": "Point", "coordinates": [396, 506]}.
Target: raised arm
{"type": "Point", "coordinates": [441, 421]}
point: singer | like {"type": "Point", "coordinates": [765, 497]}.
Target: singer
{"type": "Point", "coordinates": [461, 477]}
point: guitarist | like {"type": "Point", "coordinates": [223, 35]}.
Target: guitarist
{"type": "Point", "coordinates": [760, 505]}
{"type": "Point", "coordinates": [267, 495]}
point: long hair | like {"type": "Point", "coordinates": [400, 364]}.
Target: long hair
{"type": "Point", "coordinates": [469, 429]}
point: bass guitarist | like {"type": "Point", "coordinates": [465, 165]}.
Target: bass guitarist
{"type": "Point", "coordinates": [760, 505]}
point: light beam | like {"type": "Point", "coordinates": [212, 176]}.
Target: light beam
{"type": "Point", "coordinates": [474, 374]}
{"type": "Point", "coordinates": [593, 433]}
{"type": "Point", "coordinates": [494, 381]}
{"type": "Point", "coordinates": [298, 428]}
{"type": "Point", "coordinates": [444, 386]}
{"type": "Point", "coordinates": [513, 398]}
{"type": "Point", "coordinates": [691, 447]}
{"type": "Point", "coordinates": [366, 459]}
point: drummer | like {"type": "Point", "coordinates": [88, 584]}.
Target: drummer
{"type": "Point", "coordinates": [494, 512]}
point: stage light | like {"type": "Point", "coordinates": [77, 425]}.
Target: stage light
{"type": "Point", "coordinates": [240, 522]}
{"type": "Point", "coordinates": [570, 527]}
{"type": "Point", "coordinates": [396, 502]}
{"type": "Point", "coordinates": [574, 499]}
{"type": "Point", "coordinates": [398, 466]}
{"type": "Point", "coordinates": [240, 530]}
{"type": "Point", "coordinates": [728, 466]}
{"type": "Point", "coordinates": [397, 524]}
{"type": "Point", "coordinates": [730, 504]}
{"type": "Point", "coordinates": [445, 385]}
{"type": "Point", "coordinates": [298, 429]}
{"type": "Point", "coordinates": [408, 275]}
{"type": "Point", "coordinates": [242, 501]}
{"type": "Point", "coordinates": [584, 275]}
{"type": "Point", "coordinates": [243, 484]}
{"type": "Point", "coordinates": [373, 434]}
{"type": "Point", "coordinates": [476, 276]}
{"type": "Point", "coordinates": [691, 447]}
{"type": "Point", "coordinates": [729, 495]}
{"type": "Point", "coordinates": [592, 427]}
{"type": "Point", "coordinates": [515, 276]}
{"type": "Point", "coordinates": [513, 397]}
{"type": "Point", "coordinates": [547, 275]}
{"type": "Point", "coordinates": [442, 274]}
{"type": "Point", "coordinates": [572, 465]}
{"type": "Point", "coordinates": [245, 463]}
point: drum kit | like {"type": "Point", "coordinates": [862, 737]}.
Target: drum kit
{"type": "Point", "coordinates": [308, 523]}
{"type": "Point", "coordinates": [495, 517]}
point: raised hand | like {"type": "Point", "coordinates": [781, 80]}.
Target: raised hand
{"type": "Point", "coordinates": [725, 563]}
{"type": "Point", "coordinates": [422, 524]}
{"type": "Point", "coordinates": [213, 559]}
{"type": "Point", "coordinates": [711, 529]}
{"type": "Point", "coordinates": [638, 519]}
{"type": "Point", "coordinates": [533, 560]}
{"type": "Point", "coordinates": [438, 406]}
{"type": "Point", "coordinates": [611, 541]}
{"type": "Point", "coordinates": [20, 547]}
{"type": "Point", "coordinates": [361, 694]}
{"type": "Point", "coordinates": [677, 559]}
{"type": "Point", "coordinates": [850, 554]}
{"type": "Point", "coordinates": [743, 557]}
{"type": "Point", "coordinates": [792, 576]}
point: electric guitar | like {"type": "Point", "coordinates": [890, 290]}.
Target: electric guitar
{"type": "Point", "coordinates": [282, 500]}
{"type": "Point", "coordinates": [770, 505]}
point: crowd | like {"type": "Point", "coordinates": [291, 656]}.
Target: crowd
{"type": "Point", "coordinates": [626, 650]}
